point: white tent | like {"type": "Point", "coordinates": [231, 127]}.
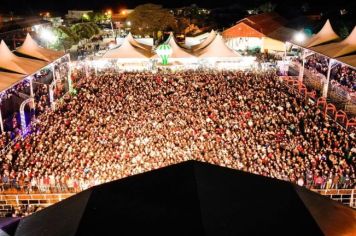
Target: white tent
{"type": "Point", "coordinates": [11, 62]}
{"type": "Point", "coordinates": [216, 49]}
{"type": "Point", "coordinates": [127, 50]}
{"type": "Point", "coordinates": [134, 42]}
{"type": "Point", "coordinates": [338, 49]}
{"type": "Point", "coordinates": [206, 42]}
{"type": "Point", "coordinates": [349, 60]}
{"type": "Point", "coordinates": [9, 79]}
{"type": "Point", "coordinates": [32, 49]}
{"type": "Point", "coordinates": [325, 35]}
{"type": "Point", "coordinates": [177, 51]}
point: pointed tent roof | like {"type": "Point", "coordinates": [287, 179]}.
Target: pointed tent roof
{"type": "Point", "coordinates": [343, 48]}
{"type": "Point", "coordinates": [326, 34]}
{"type": "Point", "coordinates": [177, 51]}
{"type": "Point", "coordinates": [206, 42]}
{"type": "Point", "coordinates": [217, 48]}
{"type": "Point", "coordinates": [134, 42]}
{"type": "Point", "coordinates": [32, 49]}
{"type": "Point", "coordinates": [11, 62]}
{"type": "Point", "coordinates": [349, 60]}
{"type": "Point", "coordinates": [193, 197]}
{"type": "Point", "coordinates": [9, 79]}
{"type": "Point", "coordinates": [127, 50]}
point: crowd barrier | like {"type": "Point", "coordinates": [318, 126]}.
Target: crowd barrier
{"type": "Point", "coordinates": [341, 96]}
{"type": "Point", "coordinates": [9, 202]}
{"type": "Point", "coordinates": [329, 109]}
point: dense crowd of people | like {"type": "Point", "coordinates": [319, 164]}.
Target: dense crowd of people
{"type": "Point", "coordinates": [317, 63]}
{"type": "Point", "coordinates": [23, 210]}
{"type": "Point", "coordinates": [121, 124]}
{"type": "Point", "coordinates": [345, 76]}
{"type": "Point", "coordinates": [341, 75]}
{"type": "Point", "coordinates": [41, 83]}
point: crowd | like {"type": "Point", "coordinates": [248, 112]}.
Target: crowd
{"type": "Point", "coordinates": [121, 124]}
{"type": "Point", "coordinates": [23, 210]}
{"type": "Point", "coordinates": [317, 63]}
{"type": "Point", "coordinates": [345, 76]}
{"type": "Point", "coordinates": [340, 75]}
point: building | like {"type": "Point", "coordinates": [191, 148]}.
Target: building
{"type": "Point", "coordinates": [14, 32]}
{"type": "Point", "coordinates": [77, 14]}
{"type": "Point", "coordinates": [264, 32]}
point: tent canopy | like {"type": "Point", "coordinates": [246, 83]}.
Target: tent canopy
{"type": "Point", "coordinates": [343, 48]}
{"type": "Point", "coordinates": [9, 79]}
{"type": "Point", "coordinates": [11, 62]}
{"type": "Point", "coordinates": [193, 198]}
{"type": "Point", "coordinates": [206, 42]}
{"type": "Point", "coordinates": [32, 49]}
{"type": "Point", "coordinates": [349, 60]}
{"type": "Point", "coordinates": [136, 44]}
{"type": "Point", "coordinates": [177, 51]}
{"type": "Point", "coordinates": [128, 50]}
{"type": "Point", "coordinates": [216, 48]}
{"type": "Point", "coordinates": [325, 35]}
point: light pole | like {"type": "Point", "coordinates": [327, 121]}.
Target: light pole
{"type": "Point", "coordinates": [108, 13]}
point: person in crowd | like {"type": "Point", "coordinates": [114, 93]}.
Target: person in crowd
{"type": "Point", "coordinates": [122, 124]}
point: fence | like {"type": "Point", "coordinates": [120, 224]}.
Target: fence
{"type": "Point", "coordinates": [345, 196]}
{"type": "Point", "coordinates": [328, 109]}
{"type": "Point", "coordinates": [8, 202]}
{"type": "Point", "coordinates": [339, 95]}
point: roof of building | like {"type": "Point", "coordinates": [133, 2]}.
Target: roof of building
{"type": "Point", "coordinates": [261, 24]}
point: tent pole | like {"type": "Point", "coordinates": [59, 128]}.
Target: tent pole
{"type": "Point", "coordinates": [1, 121]}
{"type": "Point", "coordinates": [31, 87]}
{"type": "Point", "coordinates": [326, 84]}
{"type": "Point", "coordinates": [53, 72]}
{"type": "Point", "coordinates": [70, 85]}
{"type": "Point", "coordinates": [301, 71]}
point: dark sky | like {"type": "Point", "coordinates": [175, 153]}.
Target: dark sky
{"type": "Point", "coordinates": [33, 6]}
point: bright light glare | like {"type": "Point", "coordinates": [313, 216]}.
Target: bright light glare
{"type": "Point", "coordinates": [48, 35]}
{"type": "Point", "coordinates": [100, 64]}
{"type": "Point", "coordinates": [129, 23]}
{"type": "Point", "coordinates": [300, 37]}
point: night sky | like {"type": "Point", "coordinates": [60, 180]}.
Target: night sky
{"type": "Point", "coordinates": [61, 6]}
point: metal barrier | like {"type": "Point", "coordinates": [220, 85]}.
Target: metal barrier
{"type": "Point", "coordinates": [345, 196]}
{"type": "Point", "coordinates": [8, 202]}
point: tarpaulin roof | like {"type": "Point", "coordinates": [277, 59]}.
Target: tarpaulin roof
{"type": "Point", "coordinates": [127, 50]}
{"type": "Point", "coordinates": [349, 60]}
{"type": "Point", "coordinates": [32, 49]}
{"type": "Point", "coordinates": [177, 51]}
{"type": "Point", "coordinates": [325, 35]}
{"type": "Point", "coordinates": [217, 48]}
{"type": "Point", "coordinates": [206, 42]}
{"type": "Point", "coordinates": [343, 48]}
{"type": "Point", "coordinates": [11, 62]}
{"type": "Point", "coordinates": [131, 39]}
{"type": "Point", "coordinates": [193, 198]}
{"type": "Point", "coordinates": [9, 79]}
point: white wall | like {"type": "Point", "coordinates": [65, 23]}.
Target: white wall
{"type": "Point", "coordinates": [243, 43]}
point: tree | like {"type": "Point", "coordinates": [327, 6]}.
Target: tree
{"type": "Point", "coordinates": [267, 7]}
{"type": "Point", "coordinates": [148, 19]}
{"type": "Point", "coordinates": [66, 37]}
{"type": "Point", "coordinates": [97, 17]}
{"type": "Point", "coordinates": [85, 30]}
